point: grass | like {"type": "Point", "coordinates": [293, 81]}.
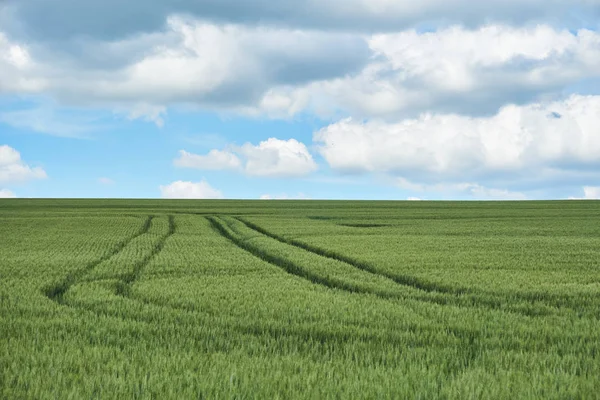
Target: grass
{"type": "Point", "coordinates": [291, 299]}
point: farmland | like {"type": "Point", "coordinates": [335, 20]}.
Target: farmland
{"type": "Point", "coordinates": [299, 299]}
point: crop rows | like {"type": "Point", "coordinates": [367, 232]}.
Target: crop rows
{"type": "Point", "coordinates": [176, 300]}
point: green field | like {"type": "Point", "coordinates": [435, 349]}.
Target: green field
{"type": "Point", "coordinates": [299, 299]}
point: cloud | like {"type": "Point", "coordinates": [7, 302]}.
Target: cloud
{"type": "Point", "coordinates": [462, 69]}
{"type": "Point", "coordinates": [412, 198]}
{"type": "Point", "coordinates": [280, 72]}
{"type": "Point", "coordinates": [270, 158]}
{"type": "Point", "coordinates": [214, 66]}
{"type": "Point", "coordinates": [214, 160]}
{"type": "Point", "coordinates": [106, 181]}
{"type": "Point", "coordinates": [589, 193]}
{"type": "Point", "coordinates": [7, 194]}
{"type": "Point", "coordinates": [189, 190]}
{"type": "Point", "coordinates": [17, 68]}
{"type": "Point", "coordinates": [517, 142]}
{"type": "Point", "coordinates": [451, 70]}
{"type": "Point", "coordinates": [278, 158]}
{"type": "Point", "coordinates": [63, 19]}
{"type": "Point", "coordinates": [148, 113]}
{"type": "Point", "coordinates": [14, 170]}
{"type": "Point", "coordinates": [52, 120]}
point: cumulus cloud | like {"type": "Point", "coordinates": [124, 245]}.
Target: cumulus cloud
{"type": "Point", "coordinates": [589, 193]}
{"type": "Point", "coordinates": [13, 169]}
{"type": "Point", "coordinates": [214, 160]}
{"type": "Point", "coordinates": [189, 190]}
{"type": "Point", "coordinates": [270, 158]}
{"type": "Point", "coordinates": [279, 72]}
{"type": "Point", "coordinates": [472, 71]}
{"type": "Point", "coordinates": [278, 158]}
{"type": "Point", "coordinates": [17, 69]}
{"type": "Point", "coordinates": [485, 66]}
{"type": "Point", "coordinates": [149, 113]}
{"type": "Point", "coordinates": [210, 65]}
{"type": "Point", "coordinates": [517, 141]}
{"type": "Point", "coordinates": [7, 194]}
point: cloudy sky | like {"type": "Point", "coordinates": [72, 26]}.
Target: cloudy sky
{"type": "Point", "coordinates": [344, 99]}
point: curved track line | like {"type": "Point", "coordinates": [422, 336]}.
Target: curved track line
{"type": "Point", "coordinates": [404, 280]}
{"type": "Point", "coordinates": [494, 303]}
{"type": "Point", "coordinates": [286, 265]}
{"type": "Point", "coordinates": [57, 291]}
{"type": "Point", "coordinates": [328, 282]}
{"type": "Point", "coordinates": [124, 286]}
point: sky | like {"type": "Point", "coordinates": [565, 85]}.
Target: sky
{"type": "Point", "coordinates": [302, 99]}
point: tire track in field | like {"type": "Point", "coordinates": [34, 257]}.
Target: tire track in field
{"type": "Point", "coordinates": [492, 302]}
{"type": "Point", "coordinates": [56, 292]}
{"type": "Point", "coordinates": [124, 286]}
{"type": "Point", "coordinates": [404, 280]}
{"type": "Point", "coordinates": [331, 283]}
{"type": "Point", "coordinates": [288, 266]}
{"type": "Point", "coordinates": [257, 330]}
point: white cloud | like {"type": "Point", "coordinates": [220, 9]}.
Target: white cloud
{"type": "Point", "coordinates": [457, 59]}
{"type": "Point", "coordinates": [189, 190]}
{"type": "Point", "coordinates": [517, 140]}
{"type": "Point", "coordinates": [106, 181]}
{"type": "Point", "coordinates": [201, 61]}
{"type": "Point", "coordinates": [214, 160]}
{"type": "Point", "coordinates": [589, 193]}
{"type": "Point", "coordinates": [278, 158]}
{"type": "Point", "coordinates": [9, 156]}
{"type": "Point", "coordinates": [412, 198]}
{"type": "Point", "coordinates": [148, 112]}
{"type": "Point", "coordinates": [52, 121]}
{"type": "Point", "coordinates": [214, 66]}
{"type": "Point", "coordinates": [13, 169]}
{"type": "Point", "coordinates": [270, 158]}
{"type": "Point", "coordinates": [7, 194]}
{"type": "Point", "coordinates": [280, 72]}
{"type": "Point", "coordinates": [17, 69]}
{"type": "Point", "coordinates": [473, 71]}
{"type": "Point", "coordinates": [231, 65]}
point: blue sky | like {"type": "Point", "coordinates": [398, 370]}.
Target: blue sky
{"type": "Point", "coordinates": [353, 99]}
